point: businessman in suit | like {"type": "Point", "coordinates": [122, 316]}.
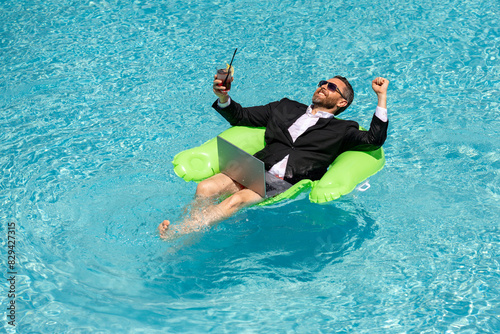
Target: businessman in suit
{"type": "Point", "coordinates": [301, 142]}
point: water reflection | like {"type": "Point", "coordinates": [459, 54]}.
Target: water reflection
{"type": "Point", "coordinates": [291, 243]}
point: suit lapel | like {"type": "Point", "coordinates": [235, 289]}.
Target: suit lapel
{"type": "Point", "coordinates": [322, 122]}
{"type": "Point", "coordinates": [289, 116]}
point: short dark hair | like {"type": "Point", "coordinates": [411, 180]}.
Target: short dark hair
{"type": "Point", "coordinates": [348, 93]}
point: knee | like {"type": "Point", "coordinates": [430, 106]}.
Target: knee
{"type": "Point", "coordinates": [206, 188]}
{"type": "Point", "coordinates": [242, 199]}
{"type": "Point", "coordinates": [235, 202]}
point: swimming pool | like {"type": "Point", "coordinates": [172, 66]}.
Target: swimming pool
{"type": "Point", "coordinates": [97, 97]}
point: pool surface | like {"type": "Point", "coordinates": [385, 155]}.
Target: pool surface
{"type": "Point", "coordinates": [96, 98]}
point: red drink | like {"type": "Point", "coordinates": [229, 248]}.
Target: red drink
{"type": "Point", "coordinates": [222, 74]}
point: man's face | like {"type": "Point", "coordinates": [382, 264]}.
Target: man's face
{"type": "Point", "coordinates": [324, 97]}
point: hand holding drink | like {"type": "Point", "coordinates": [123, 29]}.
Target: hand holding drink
{"type": "Point", "coordinates": [225, 76]}
{"type": "Point", "coordinates": [223, 79]}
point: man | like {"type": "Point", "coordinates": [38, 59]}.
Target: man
{"type": "Point", "coordinates": [301, 142]}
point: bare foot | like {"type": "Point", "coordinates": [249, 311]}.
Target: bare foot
{"type": "Point", "coordinates": [163, 227]}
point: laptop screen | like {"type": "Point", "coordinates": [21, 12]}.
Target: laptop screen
{"type": "Point", "coordinates": [242, 167]}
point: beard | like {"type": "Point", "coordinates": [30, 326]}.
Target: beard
{"type": "Point", "coordinates": [322, 102]}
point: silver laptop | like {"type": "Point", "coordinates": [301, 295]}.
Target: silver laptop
{"type": "Point", "coordinates": [247, 170]}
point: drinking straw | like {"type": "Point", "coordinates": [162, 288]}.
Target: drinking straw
{"type": "Point", "coordinates": [229, 69]}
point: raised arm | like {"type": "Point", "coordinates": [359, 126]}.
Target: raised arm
{"type": "Point", "coordinates": [235, 114]}
{"type": "Point", "coordinates": [379, 86]}
{"type": "Point", "coordinates": [376, 135]}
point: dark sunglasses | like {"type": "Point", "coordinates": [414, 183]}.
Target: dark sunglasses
{"type": "Point", "coordinates": [331, 86]}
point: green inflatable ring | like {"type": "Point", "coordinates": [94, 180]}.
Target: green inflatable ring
{"type": "Point", "coordinates": [348, 170]}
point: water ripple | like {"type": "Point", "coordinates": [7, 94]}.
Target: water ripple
{"type": "Point", "coordinates": [96, 98]}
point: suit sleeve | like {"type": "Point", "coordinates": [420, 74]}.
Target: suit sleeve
{"type": "Point", "coordinates": [235, 114]}
{"type": "Point", "coordinates": [359, 140]}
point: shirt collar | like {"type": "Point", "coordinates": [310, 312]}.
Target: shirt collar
{"type": "Point", "coordinates": [319, 113]}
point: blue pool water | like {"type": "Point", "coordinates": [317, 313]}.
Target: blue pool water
{"type": "Point", "coordinates": [96, 97]}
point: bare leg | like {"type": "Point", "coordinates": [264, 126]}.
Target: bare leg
{"type": "Point", "coordinates": [210, 190]}
{"type": "Point", "coordinates": [211, 214]}
{"type": "Point", "coordinates": [217, 185]}
{"type": "Point", "coordinates": [203, 209]}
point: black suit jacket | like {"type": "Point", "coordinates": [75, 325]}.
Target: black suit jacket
{"type": "Point", "coordinates": [313, 151]}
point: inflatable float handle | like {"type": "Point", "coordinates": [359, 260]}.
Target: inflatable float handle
{"type": "Point", "coordinates": [364, 187]}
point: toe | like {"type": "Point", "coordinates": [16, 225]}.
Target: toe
{"type": "Point", "coordinates": [163, 226]}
